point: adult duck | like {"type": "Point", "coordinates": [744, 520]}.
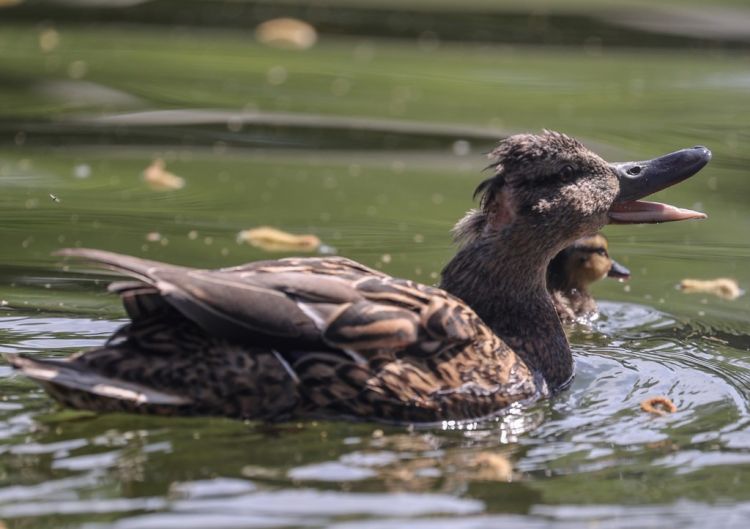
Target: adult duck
{"type": "Point", "coordinates": [573, 270]}
{"type": "Point", "coordinates": [328, 337]}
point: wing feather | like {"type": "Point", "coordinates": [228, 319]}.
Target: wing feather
{"type": "Point", "coordinates": [299, 303]}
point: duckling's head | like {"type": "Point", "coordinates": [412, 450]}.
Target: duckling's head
{"type": "Point", "coordinates": [552, 190]}
{"type": "Point", "coordinates": [585, 261]}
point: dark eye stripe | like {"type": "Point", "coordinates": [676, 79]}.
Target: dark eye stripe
{"type": "Point", "coordinates": [592, 249]}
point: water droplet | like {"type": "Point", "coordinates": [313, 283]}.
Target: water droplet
{"type": "Point", "coordinates": [276, 75]}
{"type": "Point", "coordinates": [77, 69]}
{"type": "Point", "coordinates": [461, 147]}
{"type": "Point", "coordinates": [82, 170]}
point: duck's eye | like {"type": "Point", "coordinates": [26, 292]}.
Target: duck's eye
{"type": "Point", "coordinates": [567, 173]}
{"type": "Point", "coordinates": [602, 252]}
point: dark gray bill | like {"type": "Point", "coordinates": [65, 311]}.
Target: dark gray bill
{"type": "Point", "coordinates": [618, 271]}
{"type": "Point", "coordinates": [640, 179]}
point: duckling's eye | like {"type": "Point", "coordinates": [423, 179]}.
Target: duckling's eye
{"type": "Point", "coordinates": [567, 173]}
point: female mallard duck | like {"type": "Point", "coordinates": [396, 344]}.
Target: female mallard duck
{"type": "Point", "coordinates": [328, 337]}
{"type": "Point", "coordinates": [571, 272]}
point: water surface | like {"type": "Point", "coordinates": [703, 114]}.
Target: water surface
{"type": "Point", "coordinates": [373, 141]}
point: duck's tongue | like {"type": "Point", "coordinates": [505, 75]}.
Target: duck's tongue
{"type": "Point", "coordinates": [640, 179]}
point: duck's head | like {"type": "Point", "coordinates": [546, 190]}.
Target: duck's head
{"type": "Point", "coordinates": [585, 261]}
{"type": "Point", "coordinates": [556, 190]}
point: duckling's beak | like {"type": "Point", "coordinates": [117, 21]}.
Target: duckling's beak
{"type": "Point", "coordinates": [618, 271]}
{"type": "Point", "coordinates": [640, 179]}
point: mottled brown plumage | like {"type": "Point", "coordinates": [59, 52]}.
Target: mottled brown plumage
{"type": "Point", "coordinates": [573, 270]}
{"type": "Point", "coordinates": [288, 338]}
{"type": "Point", "coordinates": [328, 337]}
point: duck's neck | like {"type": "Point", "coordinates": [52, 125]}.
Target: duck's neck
{"type": "Point", "coordinates": [502, 276]}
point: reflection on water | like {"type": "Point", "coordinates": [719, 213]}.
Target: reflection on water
{"type": "Point", "coordinates": [373, 145]}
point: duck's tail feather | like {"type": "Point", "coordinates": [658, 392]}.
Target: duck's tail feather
{"type": "Point", "coordinates": [141, 269]}
{"type": "Point", "coordinates": [84, 389]}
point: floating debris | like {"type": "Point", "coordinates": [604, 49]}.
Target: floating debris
{"type": "Point", "coordinates": [159, 179]}
{"type": "Point", "coordinates": [289, 33]}
{"type": "Point", "coordinates": [54, 198]}
{"type": "Point", "coordinates": [658, 405]}
{"type": "Point", "coordinates": [275, 240]}
{"type": "Point", "coordinates": [49, 39]}
{"type": "Point", "coordinates": [260, 472]}
{"type": "Point", "coordinates": [153, 236]}
{"type": "Point", "coordinates": [723, 287]}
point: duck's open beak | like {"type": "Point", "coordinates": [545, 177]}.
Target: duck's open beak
{"type": "Point", "coordinates": [618, 271]}
{"type": "Point", "coordinates": [640, 179]}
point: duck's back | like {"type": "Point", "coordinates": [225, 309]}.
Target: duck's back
{"type": "Point", "coordinates": [289, 338]}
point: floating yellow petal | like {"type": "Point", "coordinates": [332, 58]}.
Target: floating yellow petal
{"type": "Point", "coordinates": [723, 287]}
{"type": "Point", "coordinates": [275, 240]}
{"type": "Point", "coordinates": [288, 33]}
{"type": "Point", "coordinates": [49, 40]}
{"type": "Point", "coordinates": [658, 405]}
{"type": "Point", "coordinates": [159, 179]}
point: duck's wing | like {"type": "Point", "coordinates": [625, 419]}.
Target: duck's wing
{"type": "Point", "coordinates": [234, 303]}
{"type": "Point", "coordinates": [333, 266]}
{"type": "Point", "coordinates": [314, 304]}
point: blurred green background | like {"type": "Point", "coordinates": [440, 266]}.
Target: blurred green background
{"type": "Point", "coordinates": [366, 125]}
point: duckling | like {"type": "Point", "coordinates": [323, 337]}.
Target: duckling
{"type": "Point", "coordinates": [329, 337]}
{"type": "Point", "coordinates": [571, 272]}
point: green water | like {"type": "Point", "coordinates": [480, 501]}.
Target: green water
{"type": "Point", "coordinates": [372, 140]}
